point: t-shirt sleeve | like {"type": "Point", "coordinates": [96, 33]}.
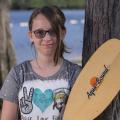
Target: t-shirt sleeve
{"type": "Point", "coordinates": [74, 74]}
{"type": "Point", "coordinates": [9, 90]}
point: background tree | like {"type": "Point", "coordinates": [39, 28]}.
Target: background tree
{"type": "Point", "coordinates": [7, 54]}
{"type": "Point", "coordinates": [102, 23]}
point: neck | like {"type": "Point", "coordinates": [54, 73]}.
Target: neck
{"type": "Point", "coordinates": [46, 67]}
{"type": "Point", "coordinates": [45, 62]}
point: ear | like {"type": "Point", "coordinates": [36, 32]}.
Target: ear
{"type": "Point", "coordinates": [30, 36]}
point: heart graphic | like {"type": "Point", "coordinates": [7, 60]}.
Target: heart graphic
{"type": "Point", "coordinates": [42, 99]}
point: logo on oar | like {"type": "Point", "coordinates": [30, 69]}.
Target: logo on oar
{"type": "Point", "coordinates": [95, 82]}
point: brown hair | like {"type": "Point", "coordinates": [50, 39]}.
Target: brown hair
{"type": "Point", "coordinates": [57, 20]}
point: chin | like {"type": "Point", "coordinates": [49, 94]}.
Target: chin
{"type": "Point", "coordinates": [48, 53]}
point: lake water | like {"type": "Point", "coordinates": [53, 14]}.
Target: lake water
{"type": "Point", "coordinates": [73, 39]}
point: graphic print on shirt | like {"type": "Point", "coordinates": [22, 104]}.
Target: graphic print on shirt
{"type": "Point", "coordinates": [60, 98]}
{"type": "Point", "coordinates": [26, 101]}
{"type": "Point", "coordinates": [42, 99]}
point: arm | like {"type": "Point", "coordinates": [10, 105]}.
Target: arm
{"type": "Point", "coordinates": [9, 111]}
{"type": "Point", "coordinates": [9, 94]}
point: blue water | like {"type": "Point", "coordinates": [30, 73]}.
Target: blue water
{"type": "Point", "coordinates": [73, 39]}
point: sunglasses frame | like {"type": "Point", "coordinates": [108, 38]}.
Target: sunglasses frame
{"type": "Point", "coordinates": [41, 33]}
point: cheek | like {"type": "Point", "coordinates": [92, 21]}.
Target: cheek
{"type": "Point", "coordinates": [56, 39]}
{"type": "Point", "coordinates": [37, 43]}
{"type": "Point", "coordinates": [56, 44]}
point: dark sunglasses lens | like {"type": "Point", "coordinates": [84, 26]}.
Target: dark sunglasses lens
{"type": "Point", "coordinates": [40, 33]}
{"type": "Point", "coordinates": [52, 33]}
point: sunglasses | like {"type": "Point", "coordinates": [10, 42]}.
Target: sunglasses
{"type": "Point", "coordinates": [40, 33]}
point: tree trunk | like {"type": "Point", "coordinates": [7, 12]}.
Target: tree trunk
{"type": "Point", "coordinates": [102, 19]}
{"type": "Point", "coordinates": [7, 53]}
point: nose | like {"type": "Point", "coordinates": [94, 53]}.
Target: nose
{"type": "Point", "coordinates": [47, 37]}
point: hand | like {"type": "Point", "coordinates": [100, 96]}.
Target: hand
{"type": "Point", "coordinates": [26, 101]}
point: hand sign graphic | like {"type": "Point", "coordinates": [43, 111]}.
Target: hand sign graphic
{"type": "Point", "coordinates": [26, 101]}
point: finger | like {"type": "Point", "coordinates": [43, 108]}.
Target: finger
{"type": "Point", "coordinates": [31, 94]}
{"type": "Point", "coordinates": [25, 93]}
{"type": "Point", "coordinates": [22, 102]}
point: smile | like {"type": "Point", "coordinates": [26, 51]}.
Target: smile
{"type": "Point", "coordinates": [48, 45]}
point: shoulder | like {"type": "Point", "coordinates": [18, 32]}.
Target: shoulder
{"type": "Point", "coordinates": [19, 69]}
{"type": "Point", "coordinates": [72, 66]}
{"type": "Point", "coordinates": [73, 71]}
{"type": "Point", "coordinates": [21, 66]}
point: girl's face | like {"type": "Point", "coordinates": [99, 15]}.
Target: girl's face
{"type": "Point", "coordinates": [43, 37]}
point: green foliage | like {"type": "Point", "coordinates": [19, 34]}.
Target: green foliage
{"type": "Point", "coordinates": [22, 4]}
{"type": "Point", "coordinates": [37, 3]}
{"type": "Point", "coordinates": [27, 4]}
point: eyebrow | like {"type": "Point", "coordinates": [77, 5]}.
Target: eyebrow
{"type": "Point", "coordinates": [42, 29]}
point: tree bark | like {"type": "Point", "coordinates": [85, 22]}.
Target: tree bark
{"type": "Point", "coordinates": [102, 19]}
{"type": "Point", "coordinates": [7, 53]}
{"type": "Point", "coordinates": [101, 23]}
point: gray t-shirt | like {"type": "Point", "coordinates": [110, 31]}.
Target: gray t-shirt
{"type": "Point", "coordinates": [39, 97]}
